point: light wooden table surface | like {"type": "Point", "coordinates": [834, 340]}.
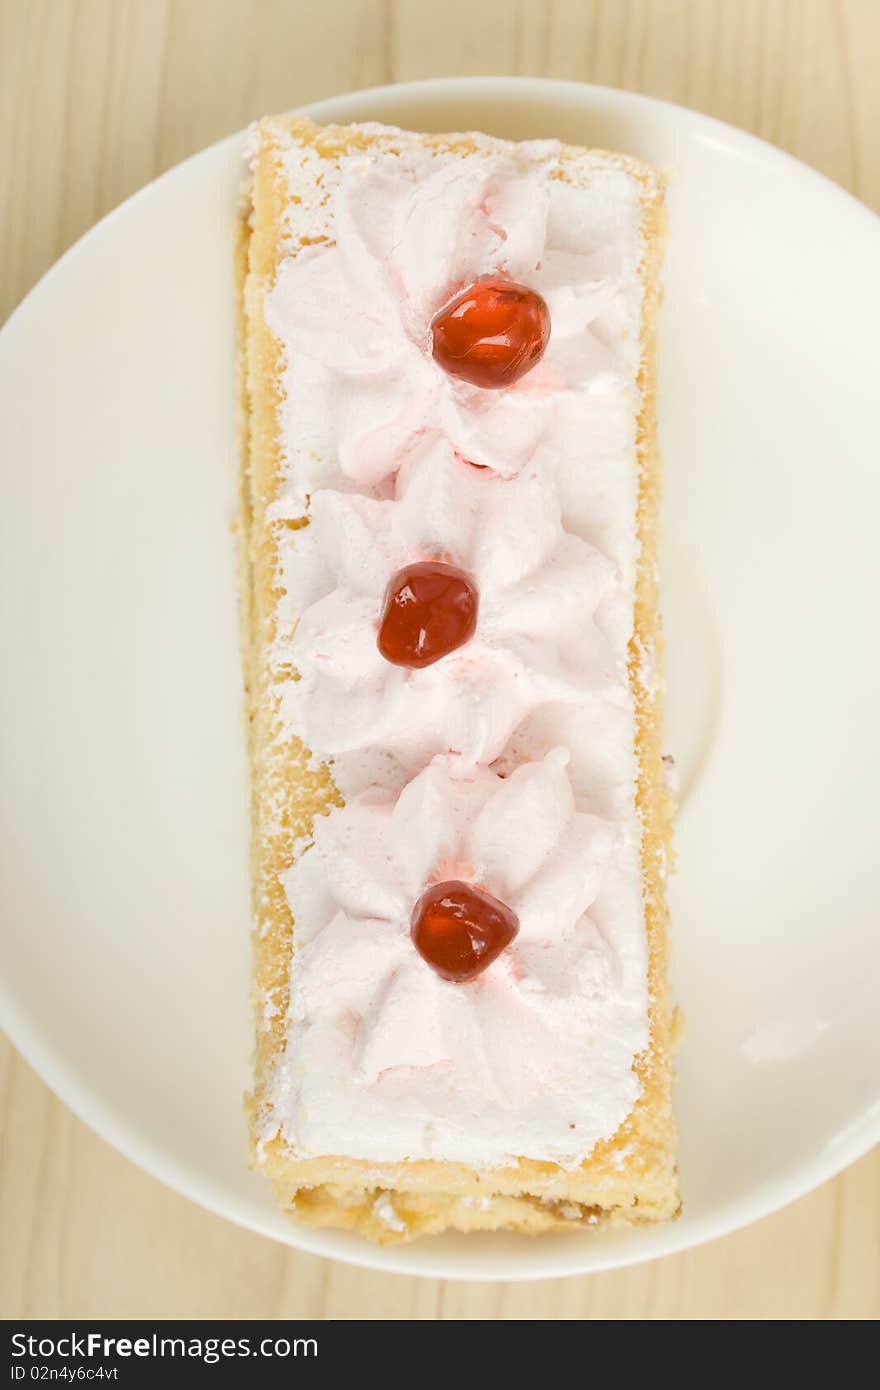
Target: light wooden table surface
{"type": "Point", "coordinates": [97, 97]}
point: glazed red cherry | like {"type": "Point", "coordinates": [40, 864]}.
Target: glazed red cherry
{"type": "Point", "coordinates": [459, 929]}
{"type": "Point", "coordinates": [430, 609]}
{"type": "Point", "coordinates": [492, 333]}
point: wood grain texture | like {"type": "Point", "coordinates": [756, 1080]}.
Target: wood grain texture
{"type": "Point", "coordinates": [96, 98]}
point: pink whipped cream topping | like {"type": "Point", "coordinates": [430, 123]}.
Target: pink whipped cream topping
{"type": "Point", "coordinates": [549, 603]}
{"type": "Point", "coordinates": [356, 312]}
{"type": "Point", "coordinates": [511, 761]}
{"type": "Point", "coordinates": [384, 1056]}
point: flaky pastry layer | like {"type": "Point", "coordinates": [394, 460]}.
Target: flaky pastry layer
{"type": "Point", "coordinates": [630, 1177]}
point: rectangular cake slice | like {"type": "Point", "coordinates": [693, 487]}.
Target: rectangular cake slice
{"type": "Point", "coordinates": [452, 656]}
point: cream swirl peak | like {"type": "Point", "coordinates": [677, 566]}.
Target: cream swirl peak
{"type": "Point", "coordinates": [548, 605]}
{"type": "Point", "coordinates": [385, 1059]}
{"type": "Point", "coordinates": [355, 312]}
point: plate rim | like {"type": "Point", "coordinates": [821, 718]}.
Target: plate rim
{"type": "Point", "coordinates": [76, 1092]}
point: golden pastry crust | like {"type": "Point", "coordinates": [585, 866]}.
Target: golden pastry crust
{"type": "Point", "coordinates": [630, 1177]}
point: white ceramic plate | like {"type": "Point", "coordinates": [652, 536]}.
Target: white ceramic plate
{"type": "Point", "coordinates": [123, 842]}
